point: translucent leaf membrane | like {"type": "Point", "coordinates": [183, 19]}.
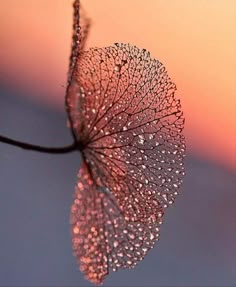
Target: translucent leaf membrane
{"type": "Point", "coordinates": [124, 110]}
{"type": "Point", "coordinates": [102, 238]}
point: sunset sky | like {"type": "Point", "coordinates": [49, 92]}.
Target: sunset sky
{"type": "Point", "coordinates": [194, 39]}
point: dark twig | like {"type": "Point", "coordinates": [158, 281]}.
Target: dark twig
{"type": "Point", "coordinates": [42, 149]}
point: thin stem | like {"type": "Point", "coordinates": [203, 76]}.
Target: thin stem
{"type": "Point", "coordinates": [52, 150]}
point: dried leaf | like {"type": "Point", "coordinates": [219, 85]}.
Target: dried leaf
{"type": "Point", "coordinates": [125, 116]}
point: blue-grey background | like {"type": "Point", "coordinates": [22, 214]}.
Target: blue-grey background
{"type": "Point", "coordinates": [197, 246]}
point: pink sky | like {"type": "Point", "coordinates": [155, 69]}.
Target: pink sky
{"type": "Point", "coordinates": [195, 40]}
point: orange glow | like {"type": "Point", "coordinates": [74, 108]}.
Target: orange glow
{"type": "Point", "coordinates": [195, 40]}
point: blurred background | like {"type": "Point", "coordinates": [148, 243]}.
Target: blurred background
{"type": "Point", "coordinates": [196, 41]}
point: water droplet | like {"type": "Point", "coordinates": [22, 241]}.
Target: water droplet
{"type": "Point", "coordinates": [131, 236]}
{"type": "Point", "coordinates": [115, 244]}
{"type": "Point", "coordinates": [76, 230]}
{"type": "Point", "coordinates": [117, 68]}
{"type": "Point", "coordinates": [141, 139]}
